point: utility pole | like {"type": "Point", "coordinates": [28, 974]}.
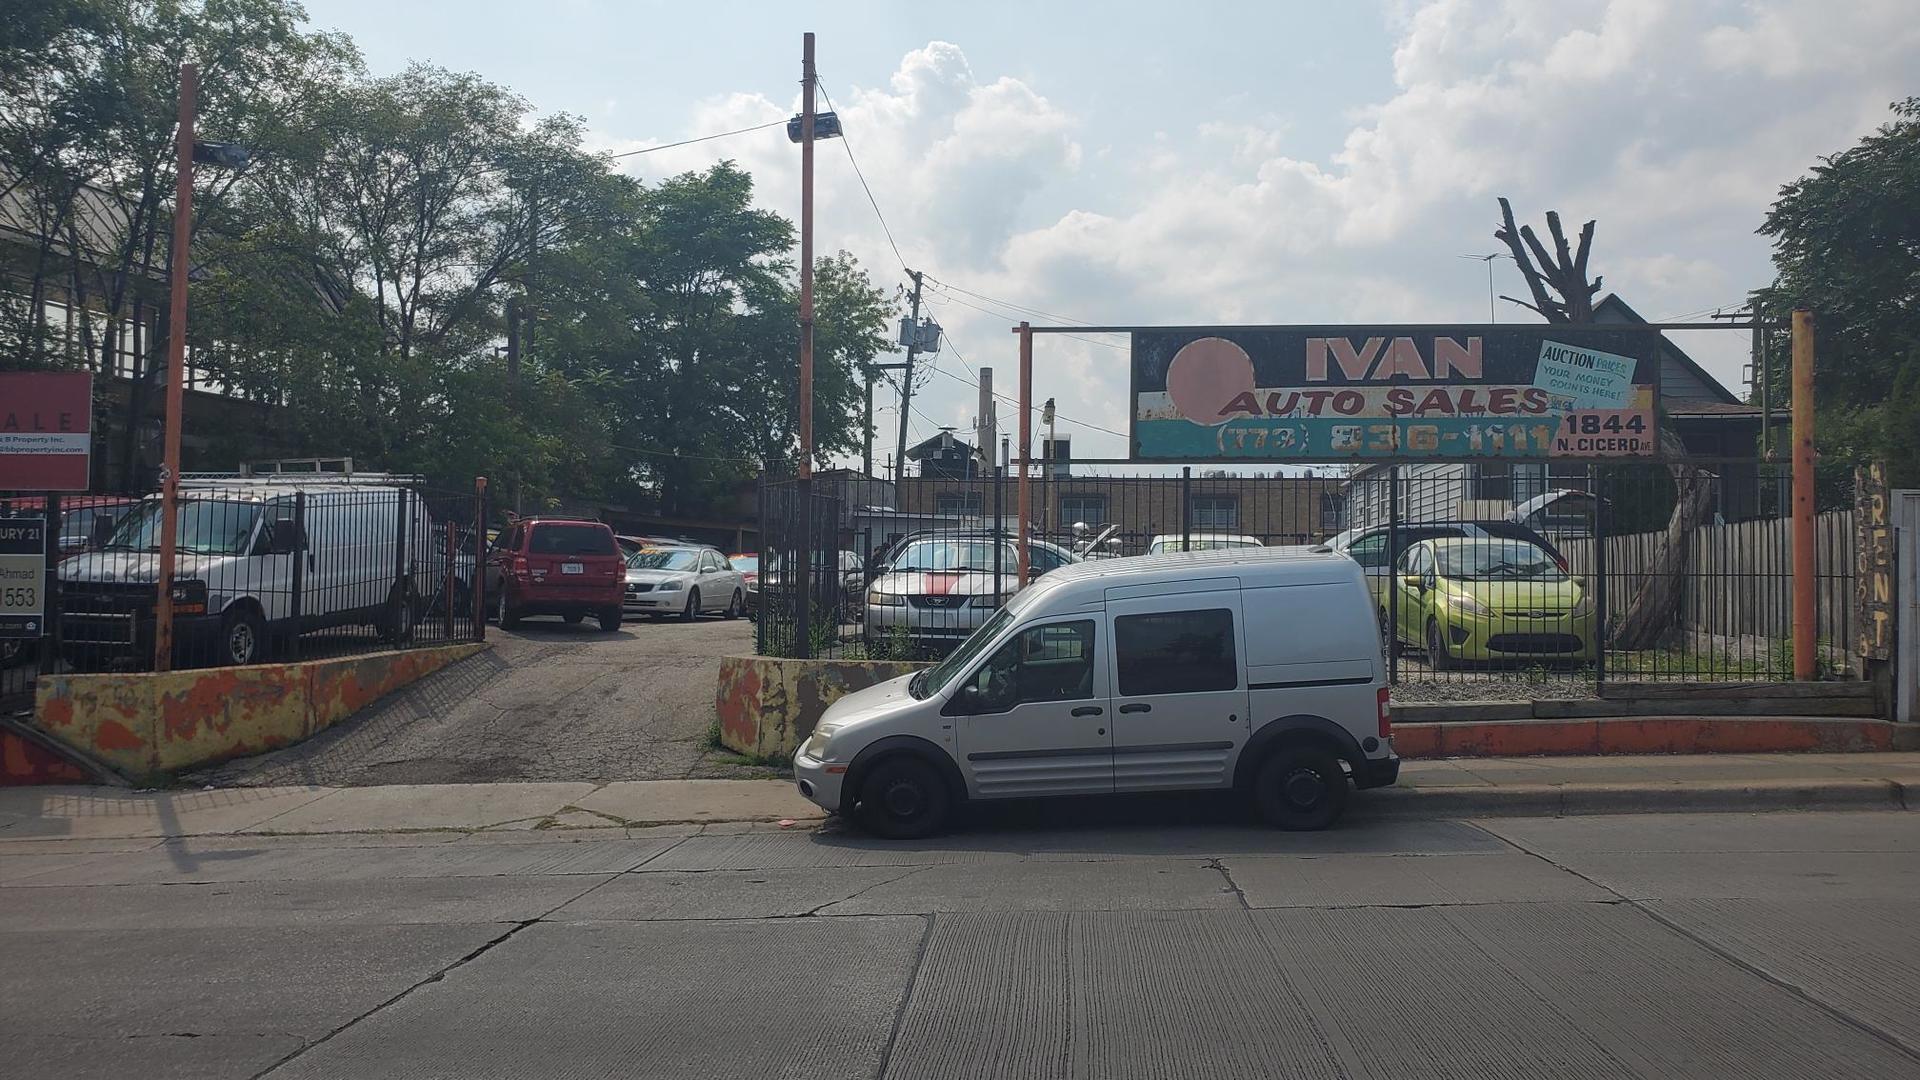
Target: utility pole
{"type": "Point", "coordinates": [1046, 467]}
{"type": "Point", "coordinates": [866, 456]}
{"type": "Point", "coordinates": [906, 377]}
{"type": "Point", "coordinates": [985, 423]}
{"type": "Point", "coordinates": [807, 81]}
{"type": "Point", "coordinates": [176, 369]}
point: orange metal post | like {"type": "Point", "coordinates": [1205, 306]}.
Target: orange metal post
{"type": "Point", "coordinates": [176, 369]}
{"type": "Point", "coordinates": [806, 257]}
{"type": "Point", "coordinates": [1805, 608]}
{"type": "Point", "coordinates": [1026, 438]}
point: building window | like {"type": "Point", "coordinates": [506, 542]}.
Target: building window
{"type": "Point", "coordinates": [1493, 480]}
{"type": "Point", "coordinates": [957, 504]}
{"type": "Point", "coordinates": [1088, 510]}
{"type": "Point", "coordinates": [1332, 509]}
{"type": "Point", "coordinates": [1216, 513]}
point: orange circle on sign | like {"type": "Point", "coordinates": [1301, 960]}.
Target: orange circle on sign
{"type": "Point", "coordinates": [1205, 376]}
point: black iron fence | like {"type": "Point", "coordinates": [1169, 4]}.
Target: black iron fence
{"type": "Point", "coordinates": [266, 569]}
{"type": "Point", "coordinates": [1553, 579]}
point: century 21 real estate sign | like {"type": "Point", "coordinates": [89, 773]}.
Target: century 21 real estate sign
{"type": "Point", "coordinates": [1323, 393]}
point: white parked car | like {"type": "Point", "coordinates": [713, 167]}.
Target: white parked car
{"type": "Point", "coordinates": [1200, 542]}
{"type": "Point", "coordinates": [939, 589]}
{"type": "Point", "coordinates": [684, 581]}
{"type": "Point", "coordinates": [1142, 674]}
{"type": "Point", "coordinates": [245, 574]}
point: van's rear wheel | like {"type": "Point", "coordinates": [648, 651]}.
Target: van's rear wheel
{"type": "Point", "coordinates": [904, 798]}
{"type": "Point", "coordinates": [508, 615]}
{"type": "Point", "coordinates": [1300, 789]}
{"type": "Point", "coordinates": [610, 619]}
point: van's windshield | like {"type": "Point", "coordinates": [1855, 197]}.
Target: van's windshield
{"type": "Point", "coordinates": [923, 684]}
{"type": "Point", "coordinates": [203, 527]}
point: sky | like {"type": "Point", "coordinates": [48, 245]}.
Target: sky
{"type": "Point", "coordinates": [1134, 163]}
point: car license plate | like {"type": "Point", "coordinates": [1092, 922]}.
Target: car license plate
{"type": "Point", "coordinates": [573, 568]}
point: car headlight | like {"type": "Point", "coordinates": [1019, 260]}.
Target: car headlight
{"type": "Point", "coordinates": [885, 599]}
{"type": "Point", "coordinates": [1466, 604]}
{"type": "Point", "coordinates": [189, 597]}
{"type": "Point", "coordinates": [1583, 606]}
{"type": "Point", "coordinates": [821, 741]}
{"type": "Point", "coordinates": [667, 586]}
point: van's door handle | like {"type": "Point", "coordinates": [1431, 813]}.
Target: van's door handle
{"type": "Point", "coordinates": [1137, 706]}
{"type": "Point", "coordinates": [1088, 710]}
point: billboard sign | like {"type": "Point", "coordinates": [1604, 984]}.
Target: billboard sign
{"type": "Point", "coordinates": [1327, 393]}
{"type": "Point", "coordinates": [46, 430]}
{"type": "Point", "coordinates": [23, 577]}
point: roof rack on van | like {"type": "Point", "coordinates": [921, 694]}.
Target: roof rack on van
{"type": "Point", "coordinates": [367, 479]}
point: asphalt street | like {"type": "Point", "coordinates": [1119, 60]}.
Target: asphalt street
{"type": "Point", "coordinates": [549, 702]}
{"type": "Point", "coordinates": [1684, 946]}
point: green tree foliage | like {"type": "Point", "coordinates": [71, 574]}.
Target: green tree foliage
{"type": "Point", "coordinates": [390, 239]}
{"type": "Point", "coordinates": [1846, 243]}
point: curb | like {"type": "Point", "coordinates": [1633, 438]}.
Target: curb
{"type": "Point", "coordinates": [1558, 800]}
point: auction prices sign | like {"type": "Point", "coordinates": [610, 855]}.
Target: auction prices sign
{"type": "Point", "coordinates": [1323, 393]}
{"type": "Point", "coordinates": [46, 430]}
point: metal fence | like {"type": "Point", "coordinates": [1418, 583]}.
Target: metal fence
{"type": "Point", "coordinates": [1488, 581]}
{"type": "Point", "coordinates": [267, 569]}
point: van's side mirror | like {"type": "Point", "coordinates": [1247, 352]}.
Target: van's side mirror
{"type": "Point", "coordinates": [101, 530]}
{"type": "Point", "coordinates": [968, 701]}
{"type": "Point", "coordinates": [285, 538]}
{"type": "Point", "coordinates": [1413, 581]}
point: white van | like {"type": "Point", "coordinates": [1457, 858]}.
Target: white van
{"type": "Point", "coordinates": [1257, 669]}
{"type": "Point", "coordinates": [244, 574]}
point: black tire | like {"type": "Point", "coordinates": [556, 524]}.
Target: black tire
{"type": "Point", "coordinates": [903, 798]}
{"type": "Point", "coordinates": [693, 606]}
{"type": "Point", "coordinates": [398, 620]}
{"type": "Point", "coordinates": [1437, 654]}
{"type": "Point", "coordinates": [243, 637]}
{"type": "Point", "coordinates": [1300, 789]}
{"type": "Point", "coordinates": [609, 620]}
{"type": "Point", "coordinates": [509, 616]}
{"type": "Point", "coordinates": [734, 606]}
{"type": "Point", "coordinates": [574, 618]}
{"type": "Point", "coordinates": [1386, 629]}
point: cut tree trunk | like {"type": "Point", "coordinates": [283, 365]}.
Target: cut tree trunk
{"type": "Point", "coordinates": [1655, 606]}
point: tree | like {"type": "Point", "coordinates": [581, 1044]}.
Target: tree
{"type": "Point", "coordinates": [1846, 243]}
{"type": "Point", "coordinates": [1562, 294]}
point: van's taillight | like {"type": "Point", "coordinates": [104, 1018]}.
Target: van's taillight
{"type": "Point", "coordinates": [1386, 715]}
{"type": "Point", "coordinates": [520, 568]}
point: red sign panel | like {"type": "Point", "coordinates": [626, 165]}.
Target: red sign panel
{"type": "Point", "coordinates": [46, 430]}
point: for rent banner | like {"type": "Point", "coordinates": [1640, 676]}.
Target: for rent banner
{"type": "Point", "coordinates": [1321, 393]}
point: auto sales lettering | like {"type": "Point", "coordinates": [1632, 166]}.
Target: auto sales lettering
{"type": "Point", "coordinates": [1435, 393]}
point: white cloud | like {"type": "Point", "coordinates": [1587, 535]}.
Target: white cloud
{"type": "Point", "coordinates": [1671, 124]}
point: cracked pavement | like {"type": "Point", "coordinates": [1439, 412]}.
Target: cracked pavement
{"type": "Point", "coordinates": [1165, 940]}
{"type": "Point", "coordinates": [549, 702]}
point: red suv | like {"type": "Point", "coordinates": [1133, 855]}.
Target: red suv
{"type": "Point", "coordinates": [556, 566]}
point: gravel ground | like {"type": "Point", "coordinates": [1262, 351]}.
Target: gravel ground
{"type": "Point", "coordinates": [548, 702]}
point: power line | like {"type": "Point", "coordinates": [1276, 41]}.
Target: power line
{"type": "Point", "coordinates": [1015, 402]}
{"type": "Point", "coordinates": [1010, 304]}
{"type": "Point", "coordinates": [1002, 315]}
{"type": "Point", "coordinates": [701, 139]}
{"type": "Point", "coordinates": [875, 203]}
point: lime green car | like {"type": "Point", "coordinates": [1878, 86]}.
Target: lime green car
{"type": "Point", "coordinates": [1485, 599]}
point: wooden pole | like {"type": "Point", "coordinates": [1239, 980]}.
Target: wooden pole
{"type": "Point", "coordinates": [1026, 440]}
{"type": "Point", "coordinates": [1805, 608]}
{"type": "Point", "coordinates": [806, 257]}
{"type": "Point", "coordinates": [176, 369]}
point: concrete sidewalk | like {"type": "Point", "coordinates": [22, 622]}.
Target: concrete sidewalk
{"type": "Point", "coordinates": [1465, 787]}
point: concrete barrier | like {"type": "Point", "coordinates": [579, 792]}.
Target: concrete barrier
{"type": "Point", "coordinates": [149, 726]}
{"type": "Point", "coordinates": [768, 705]}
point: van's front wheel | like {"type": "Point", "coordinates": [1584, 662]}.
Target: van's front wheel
{"type": "Point", "coordinates": [904, 798]}
{"type": "Point", "coordinates": [243, 636]}
{"type": "Point", "coordinates": [1300, 789]}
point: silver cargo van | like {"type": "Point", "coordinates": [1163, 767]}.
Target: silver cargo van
{"type": "Point", "coordinates": [1256, 669]}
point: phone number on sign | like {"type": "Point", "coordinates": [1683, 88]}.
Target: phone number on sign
{"type": "Point", "coordinates": [1603, 433]}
